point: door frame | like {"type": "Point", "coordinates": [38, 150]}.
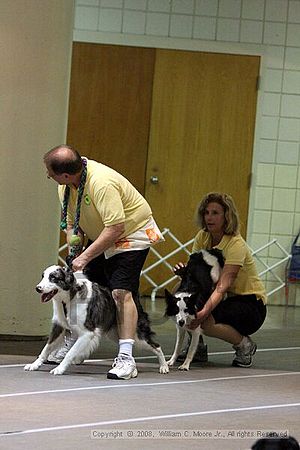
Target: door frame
{"type": "Point", "coordinates": [198, 46]}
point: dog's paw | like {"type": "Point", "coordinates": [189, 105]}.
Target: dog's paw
{"type": "Point", "coordinates": [34, 366]}
{"type": "Point", "coordinates": [57, 371]}
{"type": "Point", "coordinates": [184, 367]}
{"type": "Point", "coordinates": [171, 362]}
{"type": "Point", "coordinates": [164, 368]}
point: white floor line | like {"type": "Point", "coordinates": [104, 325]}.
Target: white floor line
{"type": "Point", "coordinates": [150, 418]}
{"type": "Point", "coordinates": [138, 385]}
{"type": "Point", "coordinates": [275, 349]}
{"type": "Point", "coordinates": [140, 358]}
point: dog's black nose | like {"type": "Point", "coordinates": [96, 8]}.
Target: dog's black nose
{"type": "Point", "coordinates": [38, 289]}
{"type": "Point", "coordinates": [181, 323]}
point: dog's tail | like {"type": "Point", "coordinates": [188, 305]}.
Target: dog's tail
{"type": "Point", "coordinates": [144, 331]}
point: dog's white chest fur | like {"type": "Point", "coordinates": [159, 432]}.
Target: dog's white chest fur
{"type": "Point", "coordinates": [71, 313]}
{"type": "Point", "coordinates": [183, 318]}
{"type": "Point", "coordinates": [69, 316]}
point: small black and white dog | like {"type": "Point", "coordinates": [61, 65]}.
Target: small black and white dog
{"type": "Point", "coordinates": [198, 279]}
{"type": "Point", "coordinates": [88, 310]}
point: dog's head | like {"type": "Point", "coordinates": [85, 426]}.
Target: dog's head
{"type": "Point", "coordinates": [199, 278]}
{"type": "Point", "coordinates": [182, 307]}
{"type": "Point", "coordinates": [55, 279]}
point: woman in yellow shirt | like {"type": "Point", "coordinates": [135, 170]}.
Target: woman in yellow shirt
{"type": "Point", "coordinates": [237, 306]}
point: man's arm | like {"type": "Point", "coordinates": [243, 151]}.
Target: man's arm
{"type": "Point", "coordinates": [107, 237]}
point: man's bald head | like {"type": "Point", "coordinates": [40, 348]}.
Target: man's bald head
{"type": "Point", "coordinates": [63, 159]}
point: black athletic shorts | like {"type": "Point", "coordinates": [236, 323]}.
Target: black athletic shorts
{"type": "Point", "coordinates": [243, 312]}
{"type": "Point", "coordinates": [121, 271]}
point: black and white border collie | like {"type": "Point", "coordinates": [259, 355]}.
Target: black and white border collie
{"type": "Point", "coordinates": [88, 310]}
{"type": "Point", "coordinates": [198, 280]}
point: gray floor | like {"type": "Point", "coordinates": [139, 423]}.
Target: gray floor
{"type": "Point", "coordinates": [212, 406]}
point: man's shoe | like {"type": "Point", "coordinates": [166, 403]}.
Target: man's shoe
{"type": "Point", "coordinates": [244, 352]}
{"type": "Point", "coordinates": [58, 355]}
{"type": "Point", "coordinates": [200, 355]}
{"type": "Point", "coordinates": [123, 368]}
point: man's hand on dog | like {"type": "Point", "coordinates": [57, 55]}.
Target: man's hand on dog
{"type": "Point", "coordinates": [79, 263]}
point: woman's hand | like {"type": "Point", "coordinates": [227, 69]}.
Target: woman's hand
{"type": "Point", "coordinates": [201, 316]}
{"type": "Point", "coordinates": [179, 269]}
{"type": "Point", "coordinates": [194, 324]}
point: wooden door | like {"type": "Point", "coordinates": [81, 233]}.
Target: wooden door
{"type": "Point", "coordinates": [201, 138]}
{"type": "Point", "coordinates": [110, 106]}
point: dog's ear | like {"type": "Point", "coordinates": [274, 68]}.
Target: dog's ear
{"type": "Point", "coordinates": [192, 304]}
{"type": "Point", "coordinates": [172, 308]}
{"type": "Point", "coordinates": [197, 300]}
{"type": "Point", "coordinates": [69, 275]}
{"type": "Point", "coordinates": [168, 296]}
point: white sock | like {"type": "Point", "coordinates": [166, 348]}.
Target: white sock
{"type": "Point", "coordinates": [125, 346]}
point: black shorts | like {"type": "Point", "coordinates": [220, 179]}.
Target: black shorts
{"type": "Point", "coordinates": [121, 271]}
{"type": "Point", "coordinates": [243, 312]}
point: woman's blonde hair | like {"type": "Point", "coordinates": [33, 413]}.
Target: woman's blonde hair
{"type": "Point", "coordinates": [232, 222]}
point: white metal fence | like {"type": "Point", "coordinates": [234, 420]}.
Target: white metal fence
{"type": "Point", "coordinates": [184, 246]}
{"type": "Point", "coordinates": [164, 260]}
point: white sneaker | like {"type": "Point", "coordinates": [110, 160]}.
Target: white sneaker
{"type": "Point", "coordinates": [58, 355]}
{"type": "Point", "coordinates": [123, 368]}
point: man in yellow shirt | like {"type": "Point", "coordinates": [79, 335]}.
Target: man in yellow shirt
{"type": "Point", "coordinates": [100, 203]}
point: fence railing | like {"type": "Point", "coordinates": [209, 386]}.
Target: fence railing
{"type": "Point", "coordinates": [270, 269]}
{"type": "Point", "coordinates": [184, 246]}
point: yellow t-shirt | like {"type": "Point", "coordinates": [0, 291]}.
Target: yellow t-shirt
{"type": "Point", "coordinates": [236, 252]}
{"type": "Point", "coordinates": [108, 199]}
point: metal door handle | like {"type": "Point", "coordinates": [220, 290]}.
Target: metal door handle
{"type": "Point", "coordinates": [154, 179]}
